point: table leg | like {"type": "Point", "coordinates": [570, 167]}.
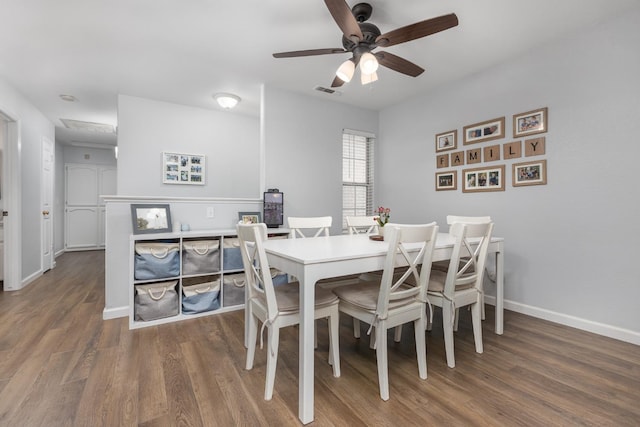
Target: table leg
{"type": "Point", "coordinates": [306, 368]}
{"type": "Point", "coordinates": [500, 290]}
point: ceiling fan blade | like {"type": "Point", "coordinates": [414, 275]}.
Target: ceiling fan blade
{"type": "Point", "coordinates": [417, 30]}
{"type": "Point", "coordinates": [309, 52]}
{"type": "Point", "coordinates": [337, 82]}
{"type": "Point", "coordinates": [398, 64]}
{"type": "Point", "coordinates": [343, 16]}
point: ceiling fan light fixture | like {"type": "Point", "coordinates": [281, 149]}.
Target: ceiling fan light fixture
{"type": "Point", "coordinates": [346, 70]}
{"type": "Point", "coordinates": [227, 100]}
{"type": "Point", "coordinates": [368, 78]}
{"type": "Point", "coordinates": [368, 63]}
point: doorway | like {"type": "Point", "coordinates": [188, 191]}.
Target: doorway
{"type": "Point", "coordinates": [10, 196]}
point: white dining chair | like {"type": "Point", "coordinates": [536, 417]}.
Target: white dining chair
{"type": "Point", "coordinates": [444, 265]}
{"type": "Point", "coordinates": [393, 302]}
{"type": "Point", "coordinates": [461, 284]}
{"type": "Point", "coordinates": [278, 307]}
{"type": "Point", "coordinates": [362, 224]}
{"type": "Point", "coordinates": [302, 227]}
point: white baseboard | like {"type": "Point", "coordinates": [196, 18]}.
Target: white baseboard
{"type": "Point", "coordinates": [610, 331]}
{"type": "Point", "coordinates": [114, 313]}
{"type": "Point", "coordinates": [27, 280]}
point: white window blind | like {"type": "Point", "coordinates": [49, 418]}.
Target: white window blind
{"type": "Point", "coordinates": [357, 175]}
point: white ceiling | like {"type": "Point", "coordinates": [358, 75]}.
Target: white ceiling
{"type": "Point", "coordinates": [183, 51]}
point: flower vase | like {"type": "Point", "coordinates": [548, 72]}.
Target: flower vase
{"type": "Point", "coordinates": [381, 231]}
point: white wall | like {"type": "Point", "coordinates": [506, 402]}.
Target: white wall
{"type": "Point", "coordinates": [33, 127]}
{"type": "Point", "coordinates": [571, 245]}
{"type": "Point", "coordinates": [303, 146]}
{"type": "Point", "coordinates": [229, 141]}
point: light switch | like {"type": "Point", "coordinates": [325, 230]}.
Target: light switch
{"type": "Point", "coordinates": [210, 212]}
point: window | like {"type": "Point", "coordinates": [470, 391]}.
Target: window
{"type": "Point", "coordinates": [357, 174]}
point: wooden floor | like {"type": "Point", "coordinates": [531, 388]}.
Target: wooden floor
{"type": "Point", "coordinates": [62, 365]}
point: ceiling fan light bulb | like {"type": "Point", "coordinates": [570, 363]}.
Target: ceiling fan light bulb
{"type": "Point", "coordinates": [227, 100]}
{"type": "Point", "coordinates": [368, 63]}
{"type": "Point", "coordinates": [368, 78]}
{"type": "Point", "coordinates": [345, 71]}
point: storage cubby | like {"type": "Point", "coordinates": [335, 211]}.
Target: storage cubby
{"type": "Point", "coordinates": [177, 276]}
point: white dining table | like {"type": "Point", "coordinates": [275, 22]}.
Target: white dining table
{"type": "Point", "coordinates": [312, 259]}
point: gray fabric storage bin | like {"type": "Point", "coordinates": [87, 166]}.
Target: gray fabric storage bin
{"type": "Point", "coordinates": [200, 256]}
{"type": "Point", "coordinates": [233, 289]}
{"type": "Point", "coordinates": [156, 301]}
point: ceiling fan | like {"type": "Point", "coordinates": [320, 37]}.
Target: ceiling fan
{"type": "Point", "coordinates": [360, 38]}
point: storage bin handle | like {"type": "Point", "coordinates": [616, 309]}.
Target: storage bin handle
{"type": "Point", "coordinates": [155, 298]}
{"type": "Point", "coordinates": [162, 253]}
{"type": "Point", "coordinates": [201, 250]}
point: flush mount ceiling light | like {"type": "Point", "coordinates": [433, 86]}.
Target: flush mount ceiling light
{"type": "Point", "coordinates": [227, 100]}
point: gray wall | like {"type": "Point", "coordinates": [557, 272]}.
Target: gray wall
{"type": "Point", "coordinates": [303, 145]}
{"type": "Point", "coordinates": [570, 244]}
{"type": "Point", "coordinates": [229, 141]}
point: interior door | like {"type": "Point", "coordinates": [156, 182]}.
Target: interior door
{"type": "Point", "coordinates": [47, 204]}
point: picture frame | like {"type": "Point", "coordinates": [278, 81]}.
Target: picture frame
{"type": "Point", "coordinates": [180, 168]}
{"type": "Point", "coordinates": [484, 131]}
{"type": "Point", "coordinates": [530, 123]}
{"type": "Point", "coordinates": [529, 173]}
{"type": "Point", "coordinates": [446, 181]}
{"type": "Point", "coordinates": [151, 218]}
{"type": "Point", "coordinates": [483, 179]}
{"type": "Point", "coordinates": [250, 217]}
{"type": "Point", "coordinates": [447, 141]}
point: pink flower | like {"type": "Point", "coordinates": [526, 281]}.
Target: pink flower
{"type": "Point", "coordinates": [383, 216]}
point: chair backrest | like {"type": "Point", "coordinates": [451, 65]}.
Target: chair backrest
{"type": "Point", "coordinates": [362, 224]}
{"type": "Point", "coordinates": [402, 239]}
{"type": "Point", "coordinates": [309, 226]}
{"type": "Point", "coordinates": [258, 283]}
{"type": "Point", "coordinates": [468, 258]}
{"type": "Point", "coordinates": [468, 219]}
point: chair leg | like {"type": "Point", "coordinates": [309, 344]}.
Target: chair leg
{"type": "Point", "coordinates": [315, 335]}
{"type": "Point", "coordinates": [476, 317]}
{"type": "Point", "coordinates": [252, 334]}
{"type": "Point", "coordinates": [272, 360]}
{"type": "Point", "coordinates": [381, 356]}
{"type": "Point", "coordinates": [455, 320]}
{"type": "Point", "coordinates": [356, 328]}
{"type": "Point", "coordinates": [421, 347]}
{"type": "Point", "coordinates": [334, 344]}
{"type": "Point", "coordinates": [398, 334]}
{"type": "Point", "coordinates": [447, 326]}
{"type": "Point", "coordinates": [428, 324]}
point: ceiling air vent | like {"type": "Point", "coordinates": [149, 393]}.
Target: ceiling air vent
{"type": "Point", "coordinates": [324, 89]}
{"type": "Point", "coordinates": [88, 126]}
